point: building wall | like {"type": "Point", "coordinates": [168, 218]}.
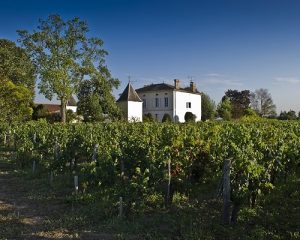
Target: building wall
{"type": "Point", "coordinates": [155, 103]}
{"type": "Point", "coordinates": [181, 105]}
{"type": "Point", "coordinates": [135, 111]}
{"type": "Point", "coordinates": [73, 108]}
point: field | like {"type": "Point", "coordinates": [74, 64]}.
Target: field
{"type": "Point", "coordinates": [149, 181]}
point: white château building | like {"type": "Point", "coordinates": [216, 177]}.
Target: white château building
{"type": "Point", "coordinates": [161, 99]}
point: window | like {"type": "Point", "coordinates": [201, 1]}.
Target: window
{"type": "Point", "coordinates": [166, 102]}
{"type": "Point", "coordinates": [156, 102]}
{"type": "Point", "coordinates": [156, 116]}
{"type": "Point", "coordinates": [144, 103]}
{"type": "Point", "coordinates": [188, 105]}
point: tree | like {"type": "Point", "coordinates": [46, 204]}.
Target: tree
{"type": "Point", "coordinates": [224, 108]}
{"type": "Point", "coordinates": [15, 65]}
{"type": "Point", "coordinates": [189, 117]}
{"type": "Point", "coordinates": [15, 102]}
{"type": "Point", "coordinates": [240, 101]}
{"type": "Point", "coordinates": [39, 112]}
{"type": "Point", "coordinates": [96, 101]}
{"type": "Point", "coordinates": [207, 107]}
{"type": "Point", "coordinates": [262, 103]}
{"type": "Point", "coordinates": [166, 118]}
{"type": "Point", "coordinates": [290, 115]}
{"type": "Point", "coordinates": [64, 56]}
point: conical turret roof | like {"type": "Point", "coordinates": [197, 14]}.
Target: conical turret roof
{"type": "Point", "coordinates": [129, 94]}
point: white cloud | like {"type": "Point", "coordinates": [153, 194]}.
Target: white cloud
{"type": "Point", "coordinates": [217, 75]}
{"type": "Point", "coordinates": [289, 80]}
{"type": "Point", "coordinates": [220, 79]}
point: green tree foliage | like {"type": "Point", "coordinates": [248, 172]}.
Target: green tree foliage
{"type": "Point", "coordinates": [71, 116]}
{"type": "Point", "coordinates": [208, 107]}
{"type": "Point", "coordinates": [16, 65]}
{"type": "Point", "coordinates": [262, 103]}
{"type": "Point", "coordinates": [240, 101]}
{"type": "Point", "coordinates": [148, 117]}
{"type": "Point", "coordinates": [96, 101]}
{"type": "Point", "coordinates": [166, 118]}
{"type": "Point", "coordinates": [39, 112]}
{"type": "Point", "coordinates": [15, 102]}
{"type": "Point", "coordinates": [250, 115]}
{"type": "Point", "coordinates": [189, 117]}
{"type": "Point", "coordinates": [224, 109]}
{"type": "Point", "coordinates": [64, 56]}
{"type": "Point", "coordinates": [290, 115]}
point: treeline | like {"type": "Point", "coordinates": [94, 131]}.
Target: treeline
{"type": "Point", "coordinates": [244, 105]}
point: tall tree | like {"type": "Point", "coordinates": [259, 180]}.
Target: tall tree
{"type": "Point", "coordinates": [96, 101]}
{"type": "Point", "coordinates": [15, 102]}
{"type": "Point", "coordinates": [208, 107]}
{"type": "Point", "coordinates": [262, 103]}
{"type": "Point", "coordinates": [15, 65]}
{"type": "Point", "coordinates": [224, 108]}
{"type": "Point", "coordinates": [240, 101]}
{"type": "Point", "coordinates": [64, 56]}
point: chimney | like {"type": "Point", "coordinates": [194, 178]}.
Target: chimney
{"type": "Point", "coordinates": [176, 83]}
{"type": "Point", "coordinates": [193, 86]}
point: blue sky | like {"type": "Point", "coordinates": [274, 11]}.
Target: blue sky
{"type": "Point", "coordinates": [222, 44]}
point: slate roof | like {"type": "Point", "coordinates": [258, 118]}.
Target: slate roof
{"type": "Point", "coordinates": [129, 94]}
{"type": "Point", "coordinates": [156, 87]}
{"type": "Point", "coordinates": [164, 86]}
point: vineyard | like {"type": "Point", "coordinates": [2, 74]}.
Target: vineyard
{"type": "Point", "coordinates": [142, 168]}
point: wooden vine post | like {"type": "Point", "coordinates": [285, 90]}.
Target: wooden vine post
{"type": "Point", "coordinates": [120, 207]}
{"type": "Point", "coordinates": [169, 182]}
{"type": "Point", "coordinates": [95, 153]}
{"type": "Point", "coordinates": [76, 184]}
{"type": "Point", "coordinates": [226, 192]}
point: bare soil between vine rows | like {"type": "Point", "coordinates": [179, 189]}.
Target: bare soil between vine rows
{"type": "Point", "coordinates": [25, 216]}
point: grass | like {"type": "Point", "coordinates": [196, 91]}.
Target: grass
{"type": "Point", "coordinates": [32, 208]}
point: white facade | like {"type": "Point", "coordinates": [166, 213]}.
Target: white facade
{"type": "Point", "coordinates": [133, 111]}
{"type": "Point", "coordinates": [73, 108]}
{"type": "Point", "coordinates": [186, 102]}
{"type": "Point", "coordinates": [176, 103]}
{"type": "Point", "coordinates": [158, 103]}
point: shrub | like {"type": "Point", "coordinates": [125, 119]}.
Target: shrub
{"type": "Point", "coordinates": [189, 117]}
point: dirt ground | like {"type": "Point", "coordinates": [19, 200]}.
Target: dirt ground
{"type": "Point", "coordinates": [24, 215]}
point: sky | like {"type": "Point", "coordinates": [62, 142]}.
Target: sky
{"type": "Point", "coordinates": [219, 44]}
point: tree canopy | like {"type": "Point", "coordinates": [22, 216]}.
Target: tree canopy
{"type": "Point", "coordinates": [15, 102]}
{"type": "Point", "coordinates": [96, 101]}
{"type": "Point", "coordinates": [240, 101]}
{"type": "Point", "coordinates": [224, 108]}
{"type": "Point", "coordinates": [207, 107]}
{"type": "Point", "coordinates": [15, 65]}
{"type": "Point", "coordinates": [262, 103]}
{"type": "Point", "coordinates": [290, 115]}
{"type": "Point", "coordinates": [64, 56]}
